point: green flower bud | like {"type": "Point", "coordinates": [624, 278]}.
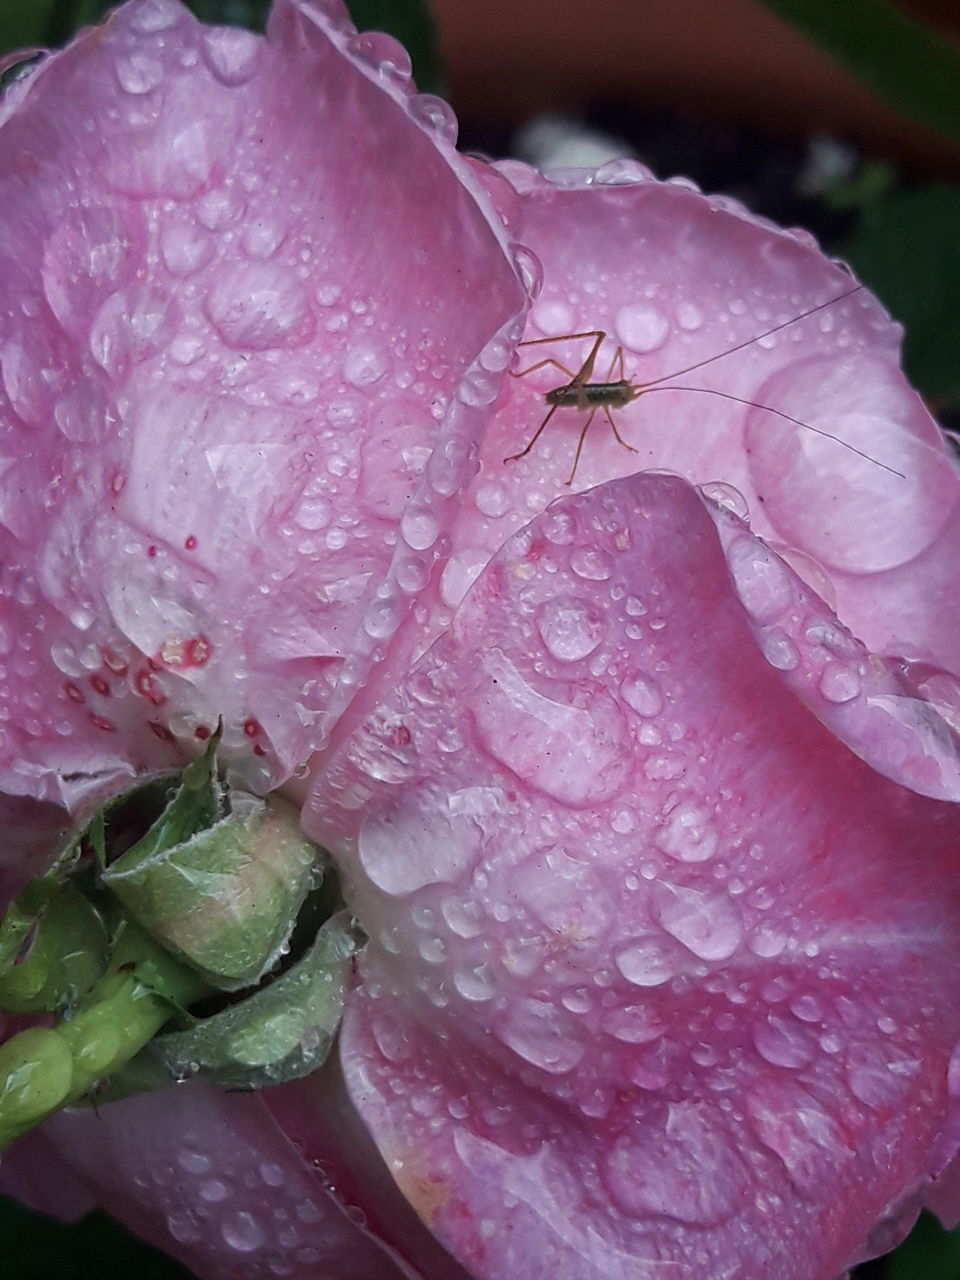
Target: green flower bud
{"type": "Point", "coordinates": [224, 898]}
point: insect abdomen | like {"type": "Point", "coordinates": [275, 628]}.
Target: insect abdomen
{"type": "Point", "coordinates": [591, 395]}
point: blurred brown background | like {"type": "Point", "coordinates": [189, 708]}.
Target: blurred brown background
{"type": "Point", "coordinates": [724, 60]}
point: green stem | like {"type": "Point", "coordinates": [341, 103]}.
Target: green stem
{"type": "Point", "coordinates": [45, 1068]}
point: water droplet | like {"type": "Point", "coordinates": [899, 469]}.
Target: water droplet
{"type": "Point", "coordinates": [193, 1161]}
{"type": "Point", "coordinates": [688, 833]}
{"type": "Point", "coordinates": [541, 1035]}
{"type": "Point", "coordinates": [231, 54]}
{"type": "Point", "coordinates": [138, 72]}
{"type": "Point", "coordinates": [570, 629]}
{"type": "Point", "coordinates": [492, 500]}
{"type": "Point", "coordinates": [435, 115]}
{"type": "Point", "coordinates": [591, 563]}
{"type": "Point", "coordinates": [782, 1043]}
{"type": "Point", "coordinates": [779, 650]}
{"type": "Point", "coordinates": [241, 1231]}
{"type": "Point", "coordinates": [642, 694]}
{"type": "Point", "coordinates": [634, 1024]}
{"type": "Point", "coordinates": [761, 578]}
{"type": "Point", "coordinates": [475, 983]}
{"type": "Point", "coordinates": [659, 1170]}
{"type": "Point", "coordinates": [152, 16]}
{"type": "Point", "coordinates": [365, 364]}
{"type": "Point", "coordinates": [641, 326]}
{"type": "Point", "coordinates": [726, 496]}
{"type": "Point", "coordinates": [689, 316]}
{"type": "Point", "coordinates": [464, 918]}
{"type": "Point", "coordinates": [645, 963]}
{"type": "Point", "coordinates": [260, 306]}
{"type": "Point", "coordinates": [184, 1227]}
{"type": "Point", "coordinates": [706, 923]}
{"type": "Point", "coordinates": [839, 683]}
{"type": "Point", "coordinates": [419, 528]}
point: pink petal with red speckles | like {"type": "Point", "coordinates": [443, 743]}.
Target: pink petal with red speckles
{"type": "Point", "coordinates": [231, 360]}
{"type": "Point", "coordinates": [662, 977]}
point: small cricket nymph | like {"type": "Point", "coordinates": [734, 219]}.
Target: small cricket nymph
{"type": "Point", "coordinates": [617, 392]}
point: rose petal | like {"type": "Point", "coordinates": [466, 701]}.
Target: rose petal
{"type": "Point", "coordinates": [675, 278]}
{"type": "Point", "coordinates": [210, 1178]}
{"type": "Point", "coordinates": [227, 357]}
{"type": "Point", "coordinates": [679, 984]}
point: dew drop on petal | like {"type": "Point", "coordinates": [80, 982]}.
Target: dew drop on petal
{"type": "Point", "coordinates": [660, 1171]}
{"type": "Point", "coordinates": [706, 923]}
{"type": "Point", "coordinates": [570, 629]}
{"type": "Point", "coordinates": [241, 1231]}
{"type": "Point", "coordinates": [782, 1043]}
{"type": "Point", "coordinates": [641, 326]}
{"type": "Point", "coordinates": [839, 683]}
{"type": "Point", "coordinates": [761, 578]}
{"type": "Point", "coordinates": [642, 695]}
{"type": "Point", "coordinates": [645, 963]}
{"type": "Point", "coordinates": [779, 649]}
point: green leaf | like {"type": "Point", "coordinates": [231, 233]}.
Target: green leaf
{"type": "Point", "coordinates": [282, 1032]}
{"type": "Point", "coordinates": [60, 962]}
{"type": "Point", "coordinates": [907, 66]}
{"type": "Point", "coordinates": [907, 249]}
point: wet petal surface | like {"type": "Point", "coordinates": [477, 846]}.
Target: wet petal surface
{"type": "Point", "coordinates": [660, 974]}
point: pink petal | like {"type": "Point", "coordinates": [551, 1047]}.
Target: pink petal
{"type": "Point", "coordinates": [676, 277]}
{"type": "Point", "coordinates": [228, 355]}
{"type": "Point", "coordinates": [210, 1178]}
{"type": "Point", "coordinates": [661, 975]}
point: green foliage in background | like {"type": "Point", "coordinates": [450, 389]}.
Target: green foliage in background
{"type": "Point", "coordinates": [906, 247]}
{"type": "Point", "coordinates": [908, 66]}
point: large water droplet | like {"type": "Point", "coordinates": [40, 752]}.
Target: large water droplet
{"type": "Point", "coordinates": [241, 1231]}
{"type": "Point", "coordinates": [706, 922]}
{"type": "Point", "coordinates": [688, 833]}
{"type": "Point", "coordinates": [684, 1170]}
{"type": "Point", "coordinates": [642, 695]}
{"type": "Point", "coordinates": [762, 580]}
{"type": "Point", "coordinates": [783, 1043]}
{"type": "Point", "coordinates": [541, 1036]}
{"type": "Point", "coordinates": [570, 629]}
{"type": "Point", "coordinates": [645, 962]}
{"type": "Point", "coordinates": [641, 326]}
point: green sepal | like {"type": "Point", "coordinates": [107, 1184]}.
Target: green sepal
{"type": "Point", "coordinates": [59, 951]}
{"type": "Point", "coordinates": [282, 1032]}
{"type": "Point", "coordinates": [223, 897]}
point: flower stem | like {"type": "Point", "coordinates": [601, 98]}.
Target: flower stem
{"type": "Point", "coordinates": [45, 1068]}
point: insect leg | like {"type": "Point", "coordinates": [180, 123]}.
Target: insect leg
{"type": "Point", "coordinates": [513, 457]}
{"type": "Point", "coordinates": [583, 436]}
{"type": "Point", "coordinates": [522, 373]}
{"type": "Point", "coordinates": [613, 428]}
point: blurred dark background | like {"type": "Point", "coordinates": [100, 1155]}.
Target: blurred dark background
{"type": "Point", "coordinates": [828, 114]}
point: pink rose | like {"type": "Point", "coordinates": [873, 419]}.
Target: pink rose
{"type": "Point", "coordinates": [649, 814]}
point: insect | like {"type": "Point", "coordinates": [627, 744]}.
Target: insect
{"type": "Point", "coordinates": [617, 392]}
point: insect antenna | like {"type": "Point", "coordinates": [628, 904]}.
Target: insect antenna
{"type": "Point", "coordinates": [767, 408]}
{"type": "Point", "coordinates": [655, 384]}
{"type": "Point", "coordinates": [757, 337]}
